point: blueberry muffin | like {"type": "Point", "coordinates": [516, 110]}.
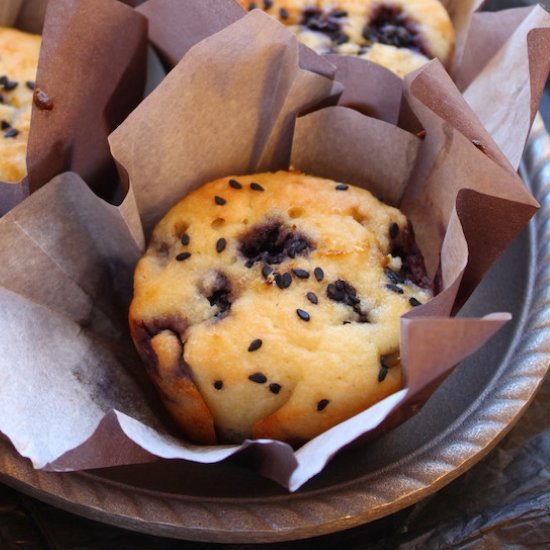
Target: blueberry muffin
{"type": "Point", "coordinates": [401, 35]}
{"type": "Point", "coordinates": [268, 306]}
{"type": "Point", "coordinates": [18, 62]}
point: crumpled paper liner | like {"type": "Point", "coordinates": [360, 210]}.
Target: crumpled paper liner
{"type": "Point", "coordinates": [489, 48]}
{"type": "Point", "coordinates": [93, 67]}
{"type": "Point", "coordinates": [81, 401]}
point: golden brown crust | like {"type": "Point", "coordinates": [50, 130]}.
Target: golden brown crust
{"type": "Point", "coordinates": [18, 61]}
{"type": "Point", "coordinates": [241, 321]}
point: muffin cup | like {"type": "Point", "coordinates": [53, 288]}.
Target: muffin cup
{"type": "Point", "coordinates": [82, 401]}
{"type": "Point", "coordinates": [91, 74]}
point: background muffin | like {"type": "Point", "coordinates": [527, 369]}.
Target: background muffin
{"type": "Point", "coordinates": [401, 35]}
{"type": "Point", "coordinates": [19, 53]}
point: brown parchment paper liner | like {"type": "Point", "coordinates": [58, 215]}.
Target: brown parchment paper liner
{"type": "Point", "coordinates": [92, 67]}
{"type": "Point", "coordinates": [76, 398]}
{"type": "Point", "coordinates": [501, 61]}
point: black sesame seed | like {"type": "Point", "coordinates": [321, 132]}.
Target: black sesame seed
{"type": "Point", "coordinates": [30, 84]}
{"type": "Point", "coordinates": [268, 4]}
{"type": "Point", "coordinates": [342, 187]}
{"type": "Point", "coordinates": [4, 80]}
{"type": "Point", "coordinates": [312, 297]}
{"type": "Point", "coordinates": [11, 133]}
{"type": "Point", "coordinates": [284, 280]}
{"type": "Point", "coordinates": [300, 245]}
{"type": "Point", "coordinates": [394, 277]}
{"type": "Point", "coordinates": [1, 99]}
{"type": "Point", "coordinates": [249, 263]}
{"type": "Point", "coordinates": [384, 363]}
{"type": "Point", "coordinates": [5, 124]}
{"type": "Point", "coordinates": [183, 256]}
{"type": "Point", "coordinates": [394, 230]}
{"type": "Point", "coordinates": [303, 315]}
{"type": "Point", "coordinates": [339, 13]}
{"type": "Point", "coordinates": [394, 288]}
{"type": "Point", "coordinates": [321, 405]}
{"type": "Point", "coordinates": [220, 245]}
{"type": "Point", "coordinates": [256, 187]}
{"type": "Point", "coordinates": [382, 373]}
{"type": "Point", "coordinates": [219, 200]}
{"type": "Point", "coordinates": [267, 270]}
{"type": "Point", "coordinates": [275, 388]}
{"type": "Point", "coordinates": [283, 13]}
{"type": "Point", "coordinates": [10, 85]}
{"type": "Point", "coordinates": [319, 274]}
{"type": "Point", "coordinates": [218, 384]}
{"type": "Point", "coordinates": [340, 285]}
{"type": "Point", "coordinates": [255, 345]}
{"type": "Point", "coordinates": [258, 377]}
{"type": "Point", "coordinates": [301, 273]}
{"type": "Point", "coordinates": [185, 239]}
{"type": "Point", "coordinates": [251, 6]}
{"type": "Point", "coordinates": [235, 184]}
{"type": "Point", "coordinates": [414, 302]}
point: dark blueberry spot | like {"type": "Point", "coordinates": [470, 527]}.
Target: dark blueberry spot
{"type": "Point", "coordinates": [30, 85]}
{"type": "Point", "coordinates": [394, 288]}
{"type": "Point", "coordinates": [319, 274]}
{"type": "Point", "coordinates": [235, 184]}
{"type": "Point", "coordinates": [312, 297]}
{"type": "Point", "coordinates": [414, 302]}
{"type": "Point", "coordinates": [283, 13]}
{"type": "Point", "coordinates": [342, 187]}
{"type": "Point", "coordinates": [11, 133]}
{"type": "Point", "coordinates": [220, 201]}
{"type": "Point", "coordinates": [185, 239]}
{"type": "Point", "coordinates": [342, 292]}
{"type": "Point", "coordinates": [183, 256]}
{"type": "Point", "coordinates": [340, 38]}
{"type": "Point", "coordinates": [218, 384]}
{"type": "Point", "coordinates": [220, 295]}
{"type": "Point", "coordinates": [391, 25]}
{"type": "Point", "coordinates": [258, 377]}
{"type": "Point", "coordinates": [270, 243]}
{"type": "Point", "coordinates": [255, 345]}
{"type": "Point", "coordinates": [220, 245]}
{"type": "Point", "coordinates": [301, 273]}
{"type": "Point", "coordinates": [275, 388]}
{"type": "Point", "coordinates": [267, 270]}
{"type": "Point", "coordinates": [256, 187]}
{"type": "Point", "coordinates": [394, 230]}
{"type": "Point", "coordinates": [303, 315]}
{"type": "Point", "coordinates": [283, 280]}
{"type": "Point", "coordinates": [321, 405]}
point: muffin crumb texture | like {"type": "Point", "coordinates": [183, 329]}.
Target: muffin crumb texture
{"type": "Point", "coordinates": [268, 306]}
{"type": "Point", "coordinates": [18, 62]}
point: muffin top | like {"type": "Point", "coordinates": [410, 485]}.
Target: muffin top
{"type": "Point", "coordinates": [18, 62]}
{"type": "Point", "coordinates": [268, 305]}
{"type": "Point", "coordinates": [401, 35]}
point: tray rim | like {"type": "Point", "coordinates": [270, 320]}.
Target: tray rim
{"type": "Point", "coordinates": [404, 482]}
